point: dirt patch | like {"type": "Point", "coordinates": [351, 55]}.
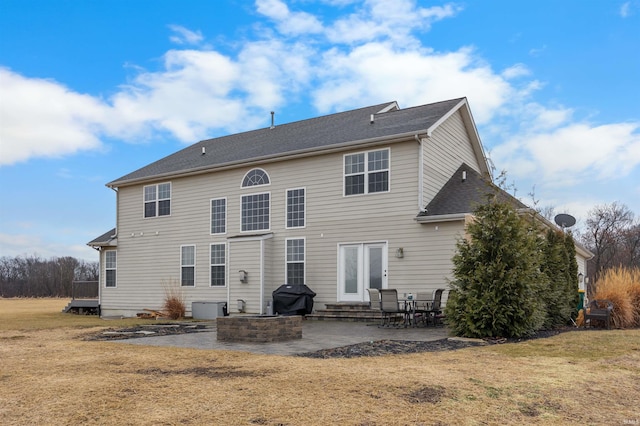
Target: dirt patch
{"type": "Point", "coordinates": [150, 330]}
{"type": "Point", "coordinates": [429, 394]}
{"type": "Point", "coordinates": [208, 372]}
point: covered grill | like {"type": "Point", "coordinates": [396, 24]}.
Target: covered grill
{"type": "Point", "coordinates": [290, 299]}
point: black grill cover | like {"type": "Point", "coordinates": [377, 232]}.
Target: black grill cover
{"type": "Point", "coordinates": [289, 299]}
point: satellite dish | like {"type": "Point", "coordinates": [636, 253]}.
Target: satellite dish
{"type": "Point", "coordinates": [565, 220]}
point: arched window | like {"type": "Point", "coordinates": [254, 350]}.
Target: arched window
{"type": "Point", "coordinates": [255, 177]}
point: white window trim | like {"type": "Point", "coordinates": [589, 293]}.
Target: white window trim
{"type": "Point", "coordinates": [195, 253]}
{"type": "Point", "coordinates": [253, 231]}
{"type": "Point", "coordinates": [144, 201]}
{"type": "Point", "coordinates": [110, 269]}
{"type": "Point", "coordinates": [226, 267]}
{"type": "Point", "coordinates": [286, 208]}
{"type": "Point", "coordinates": [304, 262]}
{"type": "Point", "coordinates": [255, 186]}
{"type": "Point", "coordinates": [366, 173]}
{"type": "Point", "coordinates": [225, 215]}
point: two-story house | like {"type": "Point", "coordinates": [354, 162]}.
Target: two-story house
{"type": "Point", "coordinates": [371, 198]}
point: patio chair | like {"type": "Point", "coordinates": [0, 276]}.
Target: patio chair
{"type": "Point", "coordinates": [391, 308]}
{"type": "Point", "coordinates": [435, 313]}
{"type": "Point", "coordinates": [422, 307]}
{"type": "Point", "coordinates": [374, 300]}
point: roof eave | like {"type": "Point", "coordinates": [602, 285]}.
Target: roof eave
{"type": "Point", "coordinates": [453, 217]}
{"type": "Point", "coordinates": [271, 158]}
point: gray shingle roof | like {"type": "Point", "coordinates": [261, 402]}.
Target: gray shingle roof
{"type": "Point", "coordinates": [103, 239]}
{"type": "Point", "coordinates": [458, 196]}
{"type": "Point", "coordinates": [302, 136]}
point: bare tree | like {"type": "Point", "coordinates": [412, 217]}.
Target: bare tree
{"type": "Point", "coordinates": [611, 234]}
{"type": "Point", "coordinates": [32, 276]}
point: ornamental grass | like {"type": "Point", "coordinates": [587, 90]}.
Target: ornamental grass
{"type": "Point", "coordinates": [174, 301]}
{"type": "Point", "coordinates": [622, 287]}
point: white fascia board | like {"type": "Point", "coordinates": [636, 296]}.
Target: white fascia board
{"type": "Point", "coordinates": [455, 217]}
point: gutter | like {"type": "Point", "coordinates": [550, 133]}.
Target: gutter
{"type": "Point", "coordinates": [454, 217]}
{"type": "Point", "coordinates": [380, 140]}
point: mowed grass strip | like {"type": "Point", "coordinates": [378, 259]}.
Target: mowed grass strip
{"type": "Point", "coordinates": [49, 375]}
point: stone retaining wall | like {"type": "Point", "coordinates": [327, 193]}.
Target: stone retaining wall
{"type": "Point", "coordinates": [260, 329]}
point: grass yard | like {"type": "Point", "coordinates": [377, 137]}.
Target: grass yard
{"type": "Point", "coordinates": [49, 376]}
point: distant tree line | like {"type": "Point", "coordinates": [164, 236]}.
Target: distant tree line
{"type": "Point", "coordinates": [32, 276]}
{"type": "Point", "coordinates": [612, 234]}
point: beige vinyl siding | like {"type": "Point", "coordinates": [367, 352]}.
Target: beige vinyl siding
{"type": "Point", "coordinates": [246, 254]}
{"type": "Point", "coordinates": [448, 147]}
{"type": "Point", "coordinates": [151, 256]}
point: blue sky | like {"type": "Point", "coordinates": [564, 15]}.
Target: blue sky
{"type": "Point", "coordinates": [92, 90]}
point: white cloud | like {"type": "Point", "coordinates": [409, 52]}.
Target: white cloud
{"type": "Point", "coordinates": [625, 9]}
{"type": "Point", "coordinates": [573, 153]}
{"type": "Point", "coordinates": [183, 35]}
{"type": "Point", "coordinates": [537, 51]}
{"type": "Point", "coordinates": [392, 20]}
{"type": "Point", "coordinates": [516, 71]}
{"type": "Point", "coordinates": [375, 72]}
{"type": "Point", "coordinates": [42, 118]}
{"type": "Point", "coordinates": [289, 23]}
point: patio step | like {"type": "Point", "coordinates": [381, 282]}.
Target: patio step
{"type": "Point", "coordinates": [352, 312]}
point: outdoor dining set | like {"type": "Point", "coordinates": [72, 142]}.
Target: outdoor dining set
{"type": "Point", "coordinates": [421, 309]}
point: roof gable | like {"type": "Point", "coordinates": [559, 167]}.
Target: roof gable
{"type": "Point", "coordinates": [463, 192]}
{"type": "Point", "coordinates": [363, 125]}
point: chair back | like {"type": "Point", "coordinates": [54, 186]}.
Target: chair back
{"type": "Point", "coordinates": [437, 299]}
{"type": "Point", "coordinates": [389, 300]}
{"type": "Point", "coordinates": [374, 298]}
{"type": "Point", "coordinates": [423, 300]}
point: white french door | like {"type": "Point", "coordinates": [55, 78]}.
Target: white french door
{"type": "Point", "coordinates": [361, 266]}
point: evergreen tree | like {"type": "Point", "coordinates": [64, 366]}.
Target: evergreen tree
{"type": "Point", "coordinates": [497, 276]}
{"type": "Point", "coordinates": [555, 268]}
{"type": "Point", "coordinates": [561, 268]}
{"type": "Point", "coordinates": [572, 274]}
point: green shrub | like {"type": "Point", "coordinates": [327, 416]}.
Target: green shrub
{"type": "Point", "coordinates": [497, 274]}
{"type": "Point", "coordinates": [559, 264]}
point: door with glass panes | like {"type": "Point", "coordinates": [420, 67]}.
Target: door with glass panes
{"type": "Point", "coordinates": [361, 266]}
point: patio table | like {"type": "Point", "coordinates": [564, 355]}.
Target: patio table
{"type": "Point", "coordinates": [411, 304]}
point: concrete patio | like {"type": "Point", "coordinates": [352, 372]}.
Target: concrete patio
{"type": "Point", "coordinates": [316, 335]}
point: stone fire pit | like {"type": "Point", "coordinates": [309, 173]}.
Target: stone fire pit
{"type": "Point", "coordinates": [258, 328]}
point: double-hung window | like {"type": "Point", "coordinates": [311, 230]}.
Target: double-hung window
{"type": "Point", "coordinates": [255, 212]}
{"type": "Point", "coordinates": [295, 260]}
{"type": "Point", "coordinates": [366, 172]}
{"type": "Point", "coordinates": [188, 266]}
{"type": "Point", "coordinates": [295, 208]}
{"type": "Point", "coordinates": [218, 265]}
{"type": "Point", "coordinates": [110, 265]}
{"type": "Point", "coordinates": [157, 200]}
{"type": "Point", "coordinates": [219, 216]}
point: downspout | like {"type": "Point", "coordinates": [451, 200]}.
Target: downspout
{"type": "Point", "coordinates": [420, 173]}
{"type": "Point", "coordinates": [117, 204]}
{"type": "Point", "coordinates": [261, 276]}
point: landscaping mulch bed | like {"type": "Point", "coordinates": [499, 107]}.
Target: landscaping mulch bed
{"type": "Point", "coordinates": [390, 347]}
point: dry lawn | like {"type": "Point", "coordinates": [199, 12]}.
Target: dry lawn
{"type": "Point", "coordinates": [48, 375]}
